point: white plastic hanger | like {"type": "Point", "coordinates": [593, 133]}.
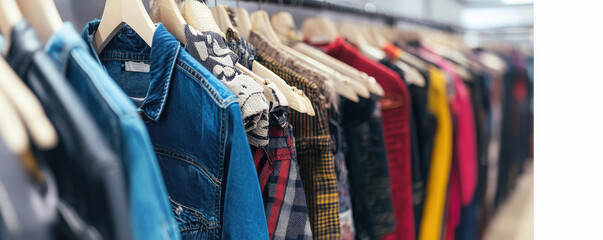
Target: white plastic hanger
{"type": "Point", "coordinates": [43, 17]}
{"type": "Point", "coordinates": [262, 24]}
{"type": "Point", "coordinates": [284, 25]}
{"type": "Point", "coordinates": [120, 12]}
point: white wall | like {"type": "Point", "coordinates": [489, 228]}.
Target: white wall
{"type": "Point", "coordinates": [488, 18]}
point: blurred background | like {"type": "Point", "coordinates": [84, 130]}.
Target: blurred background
{"type": "Point", "coordinates": [478, 21]}
{"type": "Point", "coordinates": [498, 25]}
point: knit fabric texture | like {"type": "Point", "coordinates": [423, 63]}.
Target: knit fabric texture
{"type": "Point", "coordinates": [210, 49]}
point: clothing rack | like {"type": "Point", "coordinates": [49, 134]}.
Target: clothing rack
{"type": "Point", "coordinates": [388, 18]}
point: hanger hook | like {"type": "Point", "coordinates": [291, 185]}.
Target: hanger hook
{"type": "Point", "coordinates": [215, 3]}
{"type": "Point", "coordinates": [237, 3]}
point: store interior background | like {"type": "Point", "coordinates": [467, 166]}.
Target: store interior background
{"type": "Point", "coordinates": [477, 22]}
{"type": "Point", "coordinates": [480, 21]}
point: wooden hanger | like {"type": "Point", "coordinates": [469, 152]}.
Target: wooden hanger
{"type": "Point", "coordinates": [262, 24]}
{"type": "Point", "coordinates": [319, 30]}
{"type": "Point", "coordinates": [378, 38]}
{"type": "Point", "coordinates": [267, 85]}
{"type": "Point", "coordinates": [221, 17]}
{"type": "Point", "coordinates": [411, 75]}
{"type": "Point", "coordinates": [10, 15]}
{"type": "Point", "coordinates": [120, 12]}
{"type": "Point", "coordinates": [379, 42]}
{"type": "Point", "coordinates": [43, 17]}
{"type": "Point", "coordinates": [15, 91]}
{"type": "Point", "coordinates": [243, 22]}
{"type": "Point", "coordinates": [343, 86]}
{"type": "Point", "coordinates": [167, 12]}
{"type": "Point", "coordinates": [199, 17]}
{"type": "Point", "coordinates": [12, 130]}
{"type": "Point", "coordinates": [295, 100]}
{"type": "Point", "coordinates": [283, 25]}
{"type": "Point", "coordinates": [368, 35]}
{"type": "Point", "coordinates": [307, 101]}
{"type": "Point", "coordinates": [28, 107]}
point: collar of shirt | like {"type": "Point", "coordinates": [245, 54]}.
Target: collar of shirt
{"type": "Point", "coordinates": [162, 57]}
{"type": "Point", "coordinates": [62, 43]}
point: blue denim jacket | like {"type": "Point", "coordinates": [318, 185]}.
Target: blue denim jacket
{"type": "Point", "coordinates": [122, 128]}
{"type": "Point", "coordinates": [197, 132]}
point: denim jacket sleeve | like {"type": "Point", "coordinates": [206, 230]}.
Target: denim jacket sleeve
{"type": "Point", "coordinates": [244, 216]}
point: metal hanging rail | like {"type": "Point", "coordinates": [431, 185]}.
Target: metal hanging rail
{"type": "Point", "coordinates": [388, 18]}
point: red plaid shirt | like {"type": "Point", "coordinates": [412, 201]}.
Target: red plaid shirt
{"type": "Point", "coordinates": [280, 182]}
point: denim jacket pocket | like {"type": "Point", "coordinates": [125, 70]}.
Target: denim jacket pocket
{"type": "Point", "coordinates": [194, 194]}
{"type": "Point", "coordinates": [192, 224]}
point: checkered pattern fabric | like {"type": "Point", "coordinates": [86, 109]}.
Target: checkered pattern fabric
{"type": "Point", "coordinates": [241, 48]}
{"type": "Point", "coordinates": [313, 147]}
{"type": "Point", "coordinates": [281, 185]}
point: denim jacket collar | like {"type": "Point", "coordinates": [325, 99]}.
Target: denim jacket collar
{"type": "Point", "coordinates": [62, 43]}
{"type": "Point", "coordinates": [163, 56]}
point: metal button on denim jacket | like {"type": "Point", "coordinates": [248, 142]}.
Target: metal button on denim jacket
{"type": "Point", "coordinates": [197, 132]}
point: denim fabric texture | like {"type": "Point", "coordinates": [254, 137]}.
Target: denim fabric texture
{"type": "Point", "coordinates": [197, 133]}
{"type": "Point", "coordinates": [88, 173]}
{"type": "Point", "coordinates": [122, 129]}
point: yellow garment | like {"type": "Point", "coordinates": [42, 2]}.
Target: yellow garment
{"type": "Point", "coordinates": [441, 157]}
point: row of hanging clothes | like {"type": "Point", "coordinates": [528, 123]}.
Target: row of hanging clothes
{"type": "Point", "coordinates": [199, 123]}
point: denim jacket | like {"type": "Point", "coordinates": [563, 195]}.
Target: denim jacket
{"type": "Point", "coordinates": [122, 129]}
{"type": "Point", "coordinates": [197, 133]}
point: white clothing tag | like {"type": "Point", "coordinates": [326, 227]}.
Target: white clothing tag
{"type": "Point", "coordinates": [137, 67]}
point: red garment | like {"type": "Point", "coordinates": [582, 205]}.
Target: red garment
{"type": "Point", "coordinates": [462, 108]}
{"type": "Point", "coordinates": [463, 175]}
{"type": "Point", "coordinates": [395, 109]}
